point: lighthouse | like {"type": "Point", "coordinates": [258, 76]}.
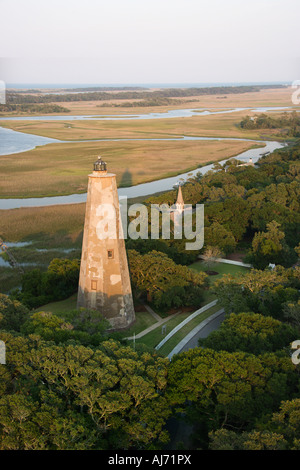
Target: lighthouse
{"type": "Point", "coordinates": [104, 282]}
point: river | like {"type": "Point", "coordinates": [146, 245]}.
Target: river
{"type": "Point", "coordinates": [174, 113]}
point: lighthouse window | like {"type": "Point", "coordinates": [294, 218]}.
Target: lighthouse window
{"type": "Point", "coordinates": [94, 285]}
{"type": "Point", "coordinates": [110, 254]}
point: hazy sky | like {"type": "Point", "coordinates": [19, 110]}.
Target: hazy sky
{"type": "Point", "coordinates": [143, 41]}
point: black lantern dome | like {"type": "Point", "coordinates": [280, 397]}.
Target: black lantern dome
{"type": "Point", "coordinates": [100, 165]}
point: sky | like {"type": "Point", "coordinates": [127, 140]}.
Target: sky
{"type": "Point", "coordinates": [143, 41]}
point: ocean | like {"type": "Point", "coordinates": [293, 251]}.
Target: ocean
{"type": "Point", "coordinates": [142, 85]}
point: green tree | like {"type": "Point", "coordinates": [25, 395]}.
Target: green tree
{"type": "Point", "coordinates": [287, 422]}
{"type": "Point", "coordinates": [211, 254]}
{"type": "Point", "coordinates": [57, 283]}
{"type": "Point", "coordinates": [218, 236]}
{"type": "Point", "coordinates": [12, 313]}
{"type": "Point", "coordinates": [250, 332]}
{"type": "Point", "coordinates": [232, 390]}
{"type": "Point", "coordinates": [156, 274]}
{"type": "Point", "coordinates": [259, 291]}
{"type": "Point", "coordinates": [270, 247]}
{"type": "Point", "coordinates": [84, 326]}
{"type": "Point", "coordinates": [281, 432]}
{"type": "Point", "coordinates": [223, 439]}
{"type": "Point", "coordinates": [291, 312]}
{"type": "Point", "coordinates": [75, 397]}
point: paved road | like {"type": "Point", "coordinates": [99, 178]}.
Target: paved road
{"type": "Point", "coordinates": [211, 326]}
{"type": "Point", "coordinates": [180, 431]}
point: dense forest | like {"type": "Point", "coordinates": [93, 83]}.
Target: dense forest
{"type": "Point", "coordinates": [33, 108]}
{"type": "Point", "coordinates": [69, 383]}
{"type": "Point", "coordinates": [148, 103]}
{"type": "Point", "coordinates": [253, 209]}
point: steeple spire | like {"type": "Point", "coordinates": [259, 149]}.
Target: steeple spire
{"type": "Point", "coordinates": [179, 197]}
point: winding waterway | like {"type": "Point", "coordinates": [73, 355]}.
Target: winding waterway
{"type": "Point", "coordinates": [174, 113]}
{"type": "Point", "coordinates": [15, 142]}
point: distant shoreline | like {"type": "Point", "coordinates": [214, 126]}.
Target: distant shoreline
{"type": "Point", "coordinates": [74, 86]}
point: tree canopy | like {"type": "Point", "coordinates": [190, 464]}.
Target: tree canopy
{"type": "Point", "coordinates": [250, 332]}
{"type": "Point", "coordinates": [158, 276]}
{"type": "Point", "coordinates": [64, 397]}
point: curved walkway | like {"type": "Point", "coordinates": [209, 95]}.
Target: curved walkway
{"type": "Point", "coordinates": [206, 327]}
{"type": "Point", "coordinates": [184, 322]}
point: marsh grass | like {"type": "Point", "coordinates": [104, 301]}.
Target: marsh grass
{"type": "Point", "coordinates": [214, 125]}
{"type": "Point", "coordinates": [10, 278]}
{"type": "Point", "coordinates": [43, 256]}
{"type": "Point", "coordinates": [60, 169]}
{"type": "Point", "coordinates": [48, 227]}
{"type": "Point", "coordinates": [265, 97]}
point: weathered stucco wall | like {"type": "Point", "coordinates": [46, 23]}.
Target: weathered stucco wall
{"type": "Point", "coordinates": [104, 282]}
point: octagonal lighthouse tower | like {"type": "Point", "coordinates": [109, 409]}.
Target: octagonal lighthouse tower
{"type": "Point", "coordinates": [104, 282]}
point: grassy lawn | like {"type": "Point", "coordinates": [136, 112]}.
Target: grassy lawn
{"type": "Point", "coordinates": [154, 337]}
{"type": "Point", "coordinates": [143, 319]}
{"type": "Point", "coordinates": [175, 339]}
{"type": "Point", "coordinates": [58, 308]}
{"type": "Point", "coordinates": [208, 296]}
{"type": "Point", "coordinates": [221, 268]}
